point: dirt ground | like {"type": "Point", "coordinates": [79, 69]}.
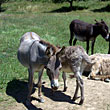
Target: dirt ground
{"type": "Point", "coordinates": [97, 97]}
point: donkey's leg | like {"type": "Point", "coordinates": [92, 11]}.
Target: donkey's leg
{"type": "Point", "coordinates": [40, 85]}
{"type": "Point", "coordinates": [92, 45]}
{"type": "Point", "coordinates": [74, 42]}
{"type": "Point", "coordinates": [87, 47]}
{"type": "Point", "coordinates": [64, 79]}
{"type": "Point", "coordinates": [71, 36]}
{"type": "Point", "coordinates": [30, 86]}
{"type": "Point", "coordinates": [109, 48]}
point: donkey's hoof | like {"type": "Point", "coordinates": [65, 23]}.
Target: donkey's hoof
{"type": "Point", "coordinates": [65, 89]}
{"type": "Point", "coordinates": [28, 103]}
{"type": "Point", "coordinates": [81, 102]}
{"type": "Point", "coordinates": [73, 99]}
{"type": "Point", "coordinates": [107, 80]}
{"type": "Point", "coordinates": [42, 100]}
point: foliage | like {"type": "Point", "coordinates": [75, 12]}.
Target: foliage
{"type": "Point", "coordinates": [58, 1]}
{"type": "Point", "coordinates": [39, 0]}
{"type": "Point", "coordinates": [104, 0]}
{"type": "Point", "coordinates": [3, 1]}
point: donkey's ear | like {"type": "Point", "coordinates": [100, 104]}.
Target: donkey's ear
{"type": "Point", "coordinates": [48, 52]}
{"type": "Point", "coordinates": [96, 21]}
{"type": "Point", "coordinates": [102, 21]}
{"type": "Point", "coordinates": [61, 52]}
{"type": "Point", "coordinates": [63, 48]}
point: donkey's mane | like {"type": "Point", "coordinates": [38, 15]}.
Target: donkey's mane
{"type": "Point", "coordinates": [50, 45]}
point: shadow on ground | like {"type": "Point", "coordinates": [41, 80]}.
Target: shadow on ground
{"type": "Point", "coordinates": [58, 96]}
{"type": "Point", "coordinates": [104, 9]}
{"type": "Point", "coordinates": [67, 9]}
{"type": "Point", "coordinates": [19, 91]}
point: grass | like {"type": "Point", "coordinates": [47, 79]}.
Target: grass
{"type": "Point", "coordinates": [50, 21]}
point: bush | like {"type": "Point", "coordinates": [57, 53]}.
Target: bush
{"type": "Point", "coordinates": [1, 2]}
{"type": "Point", "coordinates": [58, 1]}
{"type": "Point", "coordinates": [40, 0]}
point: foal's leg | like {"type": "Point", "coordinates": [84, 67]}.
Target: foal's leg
{"type": "Point", "coordinates": [76, 67]}
{"type": "Point", "coordinates": [74, 42]}
{"type": "Point", "coordinates": [40, 85]}
{"type": "Point", "coordinates": [81, 85]}
{"type": "Point", "coordinates": [64, 79]}
{"type": "Point", "coordinates": [76, 91]}
{"type": "Point", "coordinates": [30, 85]}
{"type": "Point", "coordinates": [92, 49]}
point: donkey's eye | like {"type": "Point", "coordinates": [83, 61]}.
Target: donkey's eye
{"type": "Point", "coordinates": [105, 30]}
{"type": "Point", "coordinates": [48, 69]}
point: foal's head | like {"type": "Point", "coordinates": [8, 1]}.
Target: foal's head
{"type": "Point", "coordinates": [53, 69]}
{"type": "Point", "coordinates": [103, 29]}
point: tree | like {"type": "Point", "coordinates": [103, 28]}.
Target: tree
{"type": "Point", "coordinates": [60, 1]}
{"type": "Point", "coordinates": [1, 2]}
{"type": "Point", "coordinates": [71, 3]}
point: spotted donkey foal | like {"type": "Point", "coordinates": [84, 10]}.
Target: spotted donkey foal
{"type": "Point", "coordinates": [69, 59]}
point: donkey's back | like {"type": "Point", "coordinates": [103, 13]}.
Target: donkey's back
{"type": "Point", "coordinates": [29, 36]}
{"type": "Point", "coordinates": [31, 50]}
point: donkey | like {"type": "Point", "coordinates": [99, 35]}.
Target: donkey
{"type": "Point", "coordinates": [69, 59]}
{"type": "Point", "coordinates": [109, 44]}
{"type": "Point", "coordinates": [33, 53]}
{"type": "Point", "coordinates": [88, 32]}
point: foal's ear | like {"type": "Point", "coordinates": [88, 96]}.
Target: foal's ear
{"type": "Point", "coordinates": [61, 52]}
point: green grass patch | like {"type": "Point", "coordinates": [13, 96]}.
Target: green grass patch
{"type": "Point", "coordinates": [50, 21]}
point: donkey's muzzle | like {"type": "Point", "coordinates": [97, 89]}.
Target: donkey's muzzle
{"type": "Point", "coordinates": [54, 85]}
{"type": "Point", "coordinates": [54, 88]}
{"type": "Point", "coordinates": [107, 38]}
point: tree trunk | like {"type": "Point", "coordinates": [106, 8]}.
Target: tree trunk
{"type": "Point", "coordinates": [71, 5]}
{"type": "Point", "coordinates": [0, 6]}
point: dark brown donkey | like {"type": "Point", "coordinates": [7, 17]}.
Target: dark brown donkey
{"type": "Point", "coordinates": [109, 45]}
{"type": "Point", "coordinates": [88, 32]}
{"type": "Point", "coordinates": [69, 59]}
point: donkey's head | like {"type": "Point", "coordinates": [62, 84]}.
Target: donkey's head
{"type": "Point", "coordinates": [103, 29]}
{"type": "Point", "coordinates": [53, 68]}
